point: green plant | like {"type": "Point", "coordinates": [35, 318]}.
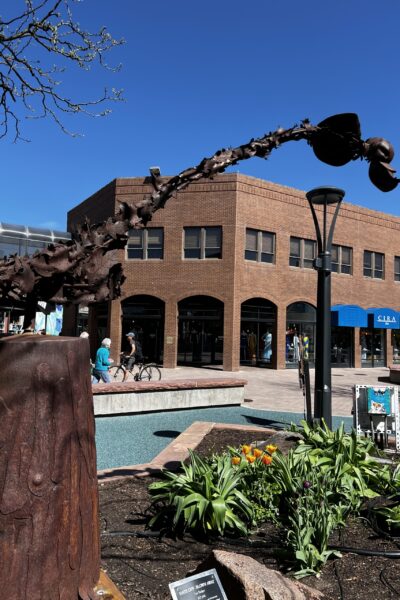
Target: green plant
{"type": "Point", "coordinates": [311, 520]}
{"type": "Point", "coordinates": [391, 514]}
{"type": "Point", "coordinates": [205, 497]}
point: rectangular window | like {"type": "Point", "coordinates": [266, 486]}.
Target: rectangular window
{"type": "Point", "coordinates": [341, 259]}
{"type": "Point", "coordinates": [202, 242]}
{"type": "Point", "coordinates": [260, 246]}
{"type": "Point", "coordinates": [397, 268]}
{"type": "Point", "coordinates": [146, 244]}
{"type": "Point", "coordinates": [374, 264]}
{"type": "Point", "coordinates": [302, 253]}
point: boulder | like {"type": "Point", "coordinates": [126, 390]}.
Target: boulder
{"type": "Point", "coordinates": [244, 578]}
{"type": "Point", "coordinates": [285, 440]}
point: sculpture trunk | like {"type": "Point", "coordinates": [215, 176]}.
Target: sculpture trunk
{"type": "Point", "coordinates": [49, 543]}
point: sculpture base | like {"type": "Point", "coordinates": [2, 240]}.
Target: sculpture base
{"type": "Point", "coordinates": [106, 590]}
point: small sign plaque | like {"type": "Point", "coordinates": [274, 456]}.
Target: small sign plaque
{"type": "Point", "coordinates": [203, 586]}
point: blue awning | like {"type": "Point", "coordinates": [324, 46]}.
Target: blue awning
{"type": "Point", "coordinates": [383, 318]}
{"type": "Point", "coordinates": [349, 315]}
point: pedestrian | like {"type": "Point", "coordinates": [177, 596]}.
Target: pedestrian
{"type": "Point", "coordinates": [103, 362]}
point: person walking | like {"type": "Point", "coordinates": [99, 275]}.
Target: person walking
{"type": "Point", "coordinates": [103, 362]}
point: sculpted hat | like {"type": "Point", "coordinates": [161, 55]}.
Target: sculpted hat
{"type": "Point", "coordinates": [130, 334]}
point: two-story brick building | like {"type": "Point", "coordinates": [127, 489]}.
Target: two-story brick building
{"type": "Point", "coordinates": [223, 275]}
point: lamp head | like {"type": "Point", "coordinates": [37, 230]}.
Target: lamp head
{"type": "Point", "coordinates": [325, 195]}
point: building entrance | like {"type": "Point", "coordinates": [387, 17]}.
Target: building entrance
{"type": "Point", "coordinates": [200, 331]}
{"type": "Point", "coordinates": [144, 316]}
{"type": "Point", "coordinates": [373, 347]}
{"type": "Point", "coordinates": [342, 347]}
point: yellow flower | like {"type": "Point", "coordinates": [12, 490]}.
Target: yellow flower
{"type": "Point", "coordinates": [250, 458]}
{"type": "Point", "coordinates": [257, 452]}
{"type": "Point", "coordinates": [246, 449]}
{"type": "Point", "coordinates": [266, 459]}
{"type": "Point", "coordinates": [236, 460]}
{"type": "Point", "coordinates": [271, 448]}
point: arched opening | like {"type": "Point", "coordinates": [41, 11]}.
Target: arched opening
{"type": "Point", "coordinates": [144, 315]}
{"type": "Point", "coordinates": [257, 328]}
{"type": "Point", "coordinates": [301, 320]}
{"type": "Point", "coordinates": [200, 331]}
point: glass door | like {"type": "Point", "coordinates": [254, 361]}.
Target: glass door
{"type": "Point", "coordinates": [373, 346]}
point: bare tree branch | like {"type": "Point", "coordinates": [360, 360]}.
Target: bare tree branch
{"type": "Point", "coordinates": [29, 79]}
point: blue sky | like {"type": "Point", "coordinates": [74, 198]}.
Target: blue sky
{"type": "Point", "coordinates": [201, 76]}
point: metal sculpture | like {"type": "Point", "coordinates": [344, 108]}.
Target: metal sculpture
{"type": "Point", "coordinates": [49, 546]}
{"type": "Point", "coordinates": [87, 269]}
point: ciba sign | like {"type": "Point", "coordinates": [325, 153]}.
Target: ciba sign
{"type": "Point", "coordinates": [385, 319]}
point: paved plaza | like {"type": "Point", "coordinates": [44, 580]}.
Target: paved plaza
{"type": "Point", "coordinates": [267, 389]}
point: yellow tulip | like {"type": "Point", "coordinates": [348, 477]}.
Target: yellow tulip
{"type": "Point", "coordinates": [271, 448]}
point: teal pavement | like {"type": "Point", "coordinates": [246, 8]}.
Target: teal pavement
{"type": "Point", "coordinates": [137, 439]}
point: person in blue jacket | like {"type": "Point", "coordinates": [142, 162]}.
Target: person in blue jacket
{"type": "Point", "coordinates": [103, 362]}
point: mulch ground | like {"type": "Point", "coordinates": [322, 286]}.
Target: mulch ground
{"type": "Point", "coordinates": [142, 565]}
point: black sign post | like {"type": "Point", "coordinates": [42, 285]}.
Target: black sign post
{"type": "Point", "coordinates": [203, 586]}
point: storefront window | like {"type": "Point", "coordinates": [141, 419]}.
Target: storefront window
{"type": "Point", "coordinates": [300, 333]}
{"type": "Point", "coordinates": [373, 346]}
{"type": "Point", "coordinates": [396, 346]}
{"type": "Point", "coordinates": [258, 318]}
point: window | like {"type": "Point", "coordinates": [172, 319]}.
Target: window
{"type": "Point", "coordinates": [146, 244]}
{"type": "Point", "coordinates": [341, 259]}
{"type": "Point", "coordinates": [374, 264]}
{"type": "Point", "coordinates": [397, 268]}
{"type": "Point", "coordinates": [260, 246]}
{"type": "Point", "coordinates": [202, 242]}
{"type": "Point", "coordinates": [302, 253]}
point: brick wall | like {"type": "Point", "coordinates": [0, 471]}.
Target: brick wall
{"type": "Point", "coordinates": [235, 202]}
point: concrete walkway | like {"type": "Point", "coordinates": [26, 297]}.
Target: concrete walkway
{"type": "Point", "coordinates": [280, 391]}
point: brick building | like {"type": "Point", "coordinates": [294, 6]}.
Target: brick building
{"type": "Point", "coordinates": [223, 275]}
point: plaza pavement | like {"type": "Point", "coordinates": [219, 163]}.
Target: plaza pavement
{"type": "Point", "coordinates": [268, 389]}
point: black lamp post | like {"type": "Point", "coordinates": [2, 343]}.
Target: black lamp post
{"type": "Point", "coordinates": [324, 196]}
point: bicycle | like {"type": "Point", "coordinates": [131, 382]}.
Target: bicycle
{"type": "Point", "coordinates": [145, 371]}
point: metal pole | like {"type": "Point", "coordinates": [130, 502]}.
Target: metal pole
{"type": "Point", "coordinates": [323, 378]}
{"type": "Point", "coordinates": [323, 264]}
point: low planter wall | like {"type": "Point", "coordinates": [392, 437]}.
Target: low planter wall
{"type": "Point", "coordinates": [149, 396]}
{"type": "Point", "coordinates": [394, 374]}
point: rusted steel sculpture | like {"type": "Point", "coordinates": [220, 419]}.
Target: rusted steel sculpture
{"type": "Point", "coordinates": [49, 542]}
{"type": "Point", "coordinates": [87, 269]}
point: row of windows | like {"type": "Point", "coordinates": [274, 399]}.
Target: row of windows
{"type": "Point", "coordinates": [206, 243]}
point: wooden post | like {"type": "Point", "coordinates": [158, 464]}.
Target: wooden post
{"type": "Point", "coordinates": [49, 531]}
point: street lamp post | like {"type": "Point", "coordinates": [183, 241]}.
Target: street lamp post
{"type": "Point", "coordinates": [324, 197]}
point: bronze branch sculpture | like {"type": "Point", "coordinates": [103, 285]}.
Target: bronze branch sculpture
{"type": "Point", "coordinates": [87, 269]}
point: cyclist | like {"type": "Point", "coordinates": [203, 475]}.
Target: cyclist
{"type": "Point", "coordinates": [134, 355]}
{"type": "Point", "coordinates": [129, 358]}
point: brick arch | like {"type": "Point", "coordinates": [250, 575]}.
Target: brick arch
{"type": "Point", "coordinates": [246, 299]}
{"type": "Point", "coordinates": [296, 299]}
{"type": "Point", "coordinates": [198, 293]}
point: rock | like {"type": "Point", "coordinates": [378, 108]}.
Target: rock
{"type": "Point", "coordinates": [243, 578]}
{"type": "Point", "coordinates": [285, 440]}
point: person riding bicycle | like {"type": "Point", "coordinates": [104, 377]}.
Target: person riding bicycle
{"type": "Point", "coordinates": [134, 355]}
